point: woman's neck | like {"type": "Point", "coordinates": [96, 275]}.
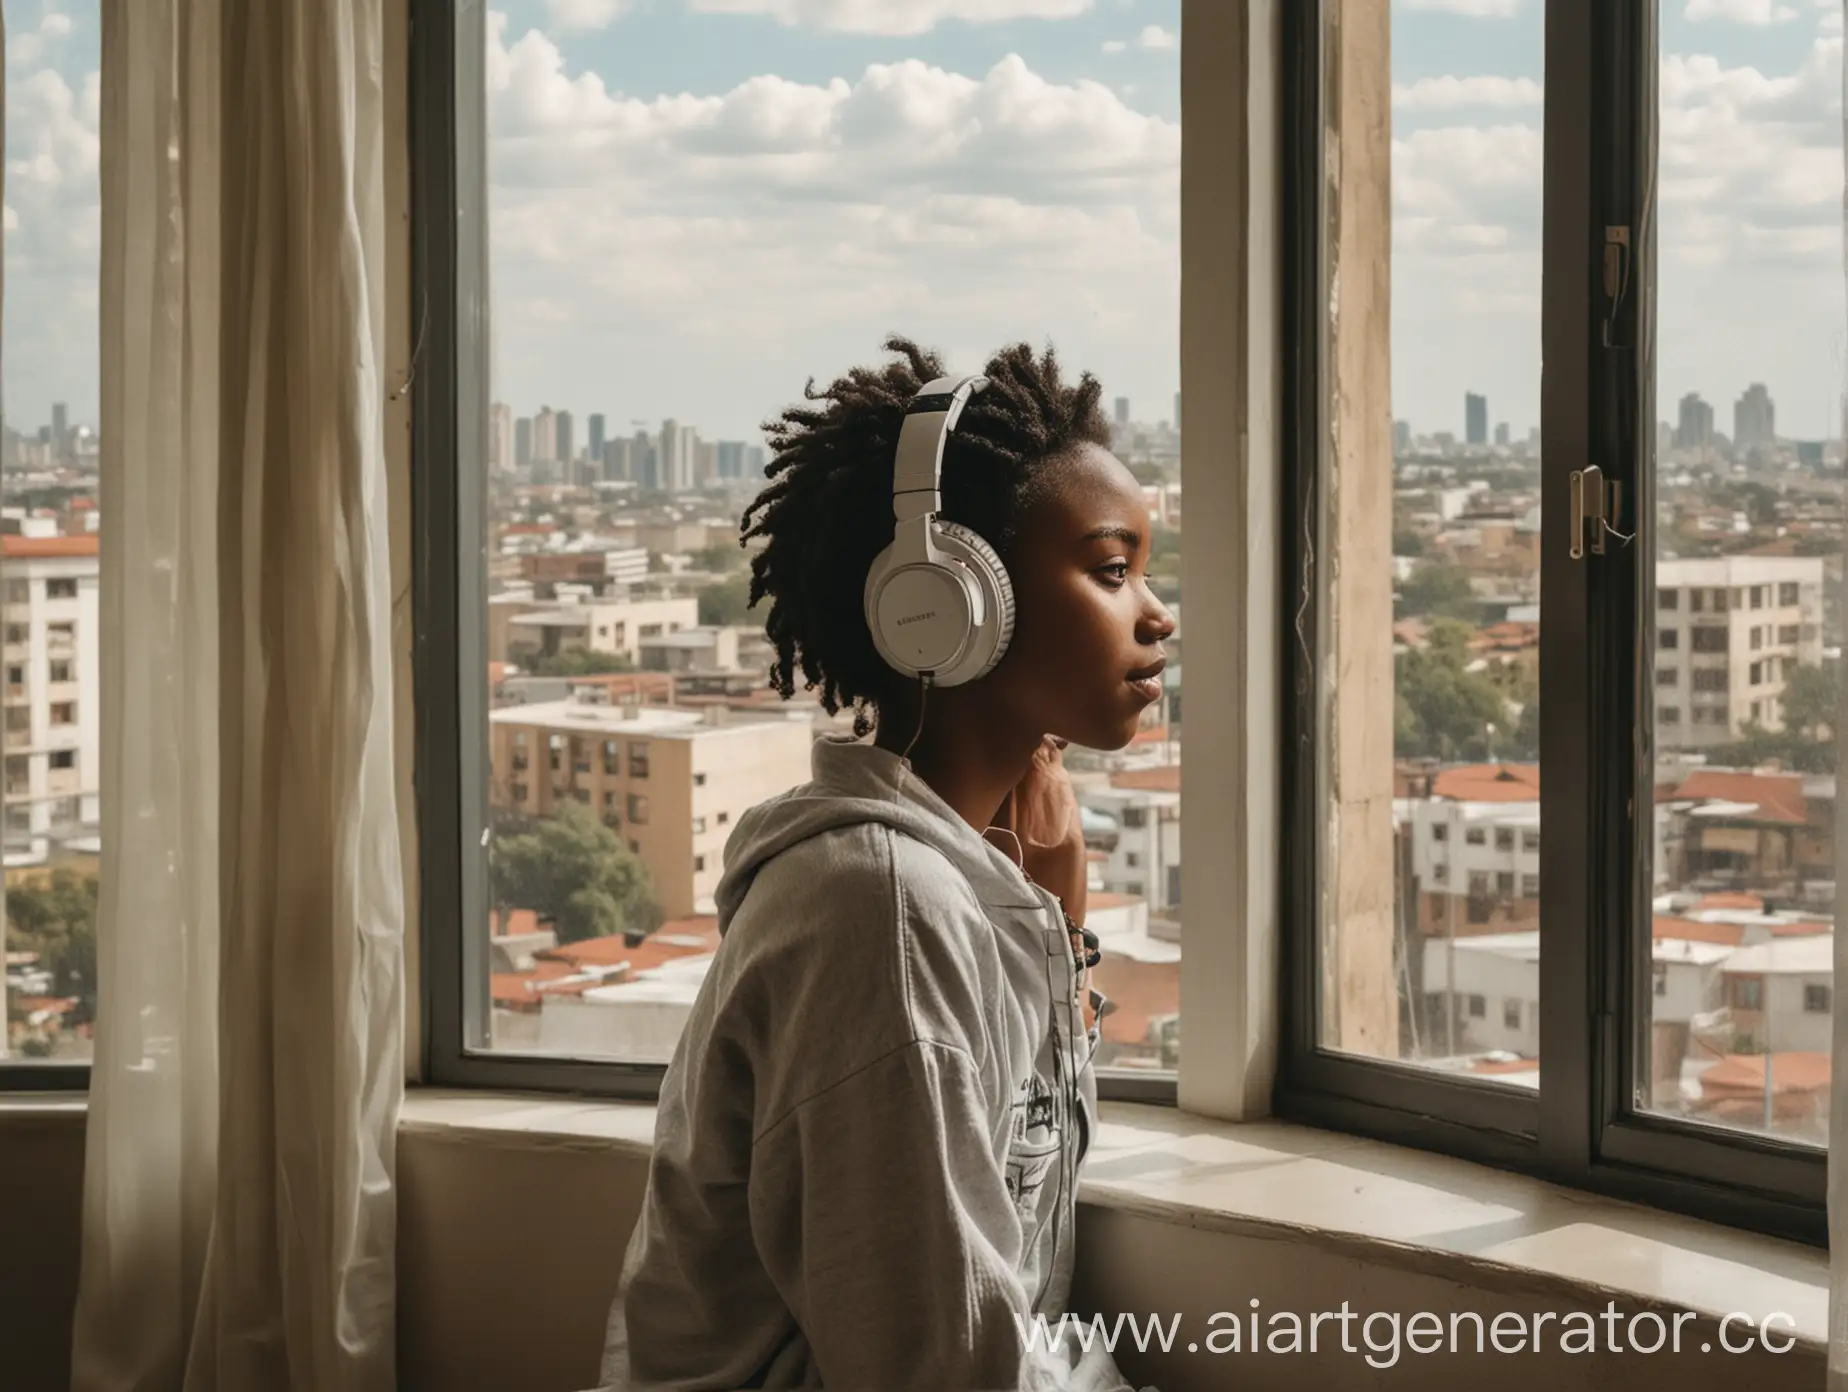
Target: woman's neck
{"type": "Point", "coordinates": [971, 764]}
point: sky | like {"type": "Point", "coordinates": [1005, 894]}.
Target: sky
{"type": "Point", "coordinates": [698, 205]}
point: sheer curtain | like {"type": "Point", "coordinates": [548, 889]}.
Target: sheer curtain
{"type": "Point", "coordinates": [239, 1205]}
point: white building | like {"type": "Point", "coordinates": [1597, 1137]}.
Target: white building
{"type": "Point", "coordinates": [1475, 845]}
{"type": "Point", "coordinates": [53, 690]}
{"type": "Point", "coordinates": [606, 626]}
{"type": "Point", "coordinates": [1729, 631]}
{"type": "Point", "coordinates": [1782, 992]}
{"type": "Point", "coordinates": [627, 565]}
{"type": "Point", "coordinates": [1145, 859]}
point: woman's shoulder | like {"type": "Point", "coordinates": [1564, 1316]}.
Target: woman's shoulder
{"type": "Point", "coordinates": [852, 870]}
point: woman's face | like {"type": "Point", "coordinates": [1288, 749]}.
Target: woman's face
{"type": "Point", "coordinates": [1086, 655]}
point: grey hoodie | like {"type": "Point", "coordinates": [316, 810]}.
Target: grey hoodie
{"type": "Point", "coordinates": [868, 1140]}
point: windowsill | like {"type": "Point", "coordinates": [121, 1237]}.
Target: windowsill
{"type": "Point", "coordinates": [1389, 1205]}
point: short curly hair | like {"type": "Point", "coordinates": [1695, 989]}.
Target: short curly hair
{"type": "Point", "coordinates": [827, 511]}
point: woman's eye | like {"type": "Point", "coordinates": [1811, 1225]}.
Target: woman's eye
{"type": "Point", "coordinates": [1117, 572]}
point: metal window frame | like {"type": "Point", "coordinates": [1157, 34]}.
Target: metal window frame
{"type": "Point", "coordinates": [1584, 1129]}
{"type": "Point", "coordinates": [449, 267]}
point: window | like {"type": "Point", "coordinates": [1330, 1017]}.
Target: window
{"type": "Point", "coordinates": [699, 865]}
{"type": "Point", "coordinates": [1440, 831]}
{"type": "Point", "coordinates": [1530, 886]}
{"type": "Point", "coordinates": [1478, 1007]}
{"type": "Point", "coordinates": [612, 759]}
{"type": "Point", "coordinates": [1757, 674]}
{"type": "Point", "coordinates": [17, 633]}
{"type": "Point", "coordinates": [1530, 841]}
{"type": "Point", "coordinates": [1440, 873]}
{"type": "Point", "coordinates": [1787, 594]}
{"type": "Point", "coordinates": [1660, 979]}
{"type": "Point", "coordinates": [1511, 1014]}
{"type": "Point", "coordinates": [1504, 838]}
{"type": "Point", "coordinates": [699, 826]}
{"type": "Point", "coordinates": [60, 589]}
{"type": "Point", "coordinates": [61, 671]}
{"type": "Point", "coordinates": [64, 758]}
{"type": "Point", "coordinates": [723, 818]}
{"type": "Point", "coordinates": [699, 780]}
{"type": "Point", "coordinates": [1132, 860]}
{"type": "Point", "coordinates": [1134, 818]}
{"type": "Point", "coordinates": [64, 713]}
{"type": "Point", "coordinates": [1504, 883]}
{"type": "Point", "coordinates": [638, 808]}
{"type": "Point", "coordinates": [1816, 999]}
{"type": "Point", "coordinates": [1640, 788]}
{"type": "Point", "coordinates": [638, 759]}
{"type": "Point", "coordinates": [1475, 836]}
{"type": "Point", "coordinates": [1788, 633]}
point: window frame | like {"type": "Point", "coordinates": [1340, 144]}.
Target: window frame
{"type": "Point", "coordinates": [449, 256]}
{"type": "Point", "coordinates": [1597, 974]}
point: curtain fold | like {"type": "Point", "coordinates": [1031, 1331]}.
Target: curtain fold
{"type": "Point", "coordinates": [239, 1198]}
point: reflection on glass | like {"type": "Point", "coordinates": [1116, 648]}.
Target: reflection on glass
{"type": "Point", "coordinates": [1464, 567]}
{"type": "Point", "coordinates": [682, 230]}
{"type": "Point", "coordinates": [1745, 647]}
{"type": "Point", "coordinates": [50, 689]}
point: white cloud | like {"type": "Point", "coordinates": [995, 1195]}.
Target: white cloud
{"type": "Point", "coordinates": [1155, 37]}
{"type": "Point", "coordinates": [783, 227]}
{"type": "Point", "coordinates": [899, 18]}
{"type": "Point", "coordinates": [585, 14]}
{"type": "Point", "coordinates": [1740, 11]}
{"type": "Point", "coordinates": [28, 48]}
{"type": "Point", "coordinates": [1114, 45]}
{"type": "Point", "coordinates": [1438, 93]}
{"type": "Point", "coordinates": [1475, 9]}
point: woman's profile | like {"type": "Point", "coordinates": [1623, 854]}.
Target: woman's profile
{"type": "Point", "coordinates": [869, 1139]}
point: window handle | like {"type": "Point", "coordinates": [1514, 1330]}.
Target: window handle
{"type": "Point", "coordinates": [1596, 503]}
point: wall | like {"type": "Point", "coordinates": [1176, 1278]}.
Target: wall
{"type": "Point", "coordinates": [510, 1246]}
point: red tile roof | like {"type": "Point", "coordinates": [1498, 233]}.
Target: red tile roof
{"type": "Point", "coordinates": [1779, 796]}
{"type": "Point", "coordinates": [1689, 930]}
{"type": "Point", "coordinates": [1745, 1073]}
{"type": "Point", "coordinates": [652, 951]}
{"type": "Point", "coordinates": [1489, 783]}
{"type": "Point", "coordinates": [26, 547]}
{"type": "Point", "coordinates": [1164, 779]}
{"type": "Point", "coordinates": [1732, 899]}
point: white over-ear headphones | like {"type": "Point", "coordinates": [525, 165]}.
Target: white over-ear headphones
{"type": "Point", "coordinates": [938, 600]}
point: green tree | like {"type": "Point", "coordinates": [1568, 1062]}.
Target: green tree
{"type": "Point", "coordinates": [576, 873]}
{"type": "Point", "coordinates": [1444, 711]}
{"type": "Point", "coordinates": [726, 601]}
{"type": "Point", "coordinates": [1438, 589]}
{"type": "Point", "coordinates": [55, 918]}
{"type": "Point", "coordinates": [581, 662]}
{"type": "Point", "coordinates": [1813, 701]}
{"type": "Point", "coordinates": [723, 558]}
{"type": "Point", "coordinates": [1406, 543]}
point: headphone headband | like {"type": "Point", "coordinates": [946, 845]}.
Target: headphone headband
{"type": "Point", "coordinates": [917, 473]}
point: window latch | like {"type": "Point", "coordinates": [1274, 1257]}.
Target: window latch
{"type": "Point", "coordinates": [1597, 503]}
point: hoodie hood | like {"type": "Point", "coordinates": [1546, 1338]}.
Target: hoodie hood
{"type": "Point", "coordinates": [853, 782]}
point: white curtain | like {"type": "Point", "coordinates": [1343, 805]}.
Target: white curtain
{"type": "Point", "coordinates": [239, 1202]}
{"type": "Point", "coordinates": [1838, 1061]}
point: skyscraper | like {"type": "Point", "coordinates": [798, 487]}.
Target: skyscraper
{"type": "Point", "coordinates": [1501, 433]}
{"type": "Point", "coordinates": [1401, 437]}
{"type": "Point", "coordinates": [500, 437]}
{"type": "Point", "coordinates": [60, 428]}
{"type": "Point", "coordinates": [595, 443]}
{"type": "Point", "coordinates": [1122, 410]}
{"type": "Point", "coordinates": [644, 461]}
{"type": "Point", "coordinates": [1754, 418]}
{"type": "Point", "coordinates": [705, 463]}
{"type": "Point", "coordinates": [1694, 423]}
{"type": "Point", "coordinates": [731, 459]}
{"type": "Point", "coordinates": [545, 434]}
{"type": "Point", "coordinates": [1177, 413]}
{"type": "Point", "coordinates": [523, 442]}
{"type": "Point", "coordinates": [1475, 419]}
{"type": "Point", "coordinates": [566, 452]}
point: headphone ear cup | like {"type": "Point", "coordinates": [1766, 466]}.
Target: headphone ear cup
{"type": "Point", "coordinates": [997, 588]}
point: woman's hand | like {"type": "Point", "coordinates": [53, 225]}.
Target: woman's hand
{"type": "Point", "coordinates": [1042, 811]}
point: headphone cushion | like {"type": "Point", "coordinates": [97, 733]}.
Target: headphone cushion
{"type": "Point", "coordinates": [992, 576]}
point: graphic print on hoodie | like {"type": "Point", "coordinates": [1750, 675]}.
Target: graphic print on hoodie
{"type": "Point", "coordinates": [868, 1141]}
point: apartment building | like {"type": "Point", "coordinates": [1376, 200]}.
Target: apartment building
{"type": "Point", "coordinates": [1729, 631]}
{"type": "Point", "coordinates": [1143, 858]}
{"type": "Point", "coordinates": [672, 783]}
{"type": "Point", "coordinates": [52, 689]}
{"type": "Point", "coordinates": [519, 632]}
{"type": "Point", "coordinates": [1475, 847]}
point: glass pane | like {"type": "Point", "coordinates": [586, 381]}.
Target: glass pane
{"type": "Point", "coordinates": [48, 537]}
{"type": "Point", "coordinates": [694, 210]}
{"type": "Point", "coordinates": [1745, 646]}
{"type": "Point", "coordinates": [1443, 970]}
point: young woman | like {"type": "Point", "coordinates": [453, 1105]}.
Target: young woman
{"type": "Point", "coordinates": [869, 1139]}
